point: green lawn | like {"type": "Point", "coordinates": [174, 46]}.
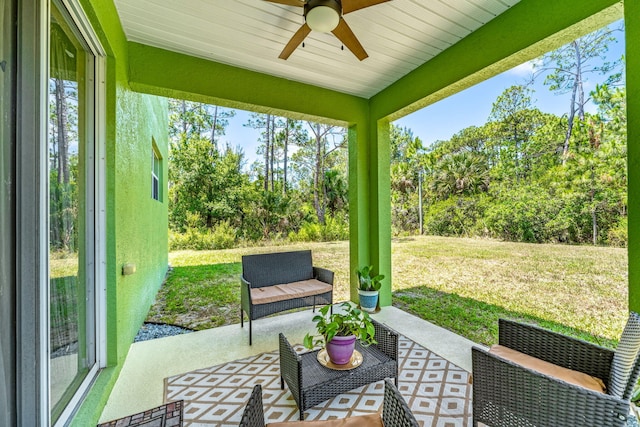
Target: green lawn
{"type": "Point", "coordinates": [464, 285]}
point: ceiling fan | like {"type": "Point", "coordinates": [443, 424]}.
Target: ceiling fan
{"type": "Point", "coordinates": [326, 16]}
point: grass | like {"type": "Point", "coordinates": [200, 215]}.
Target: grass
{"type": "Point", "coordinates": [464, 285]}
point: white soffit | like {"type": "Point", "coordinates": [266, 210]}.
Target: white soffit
{"type": "Point", "coordinates": [398, 35]}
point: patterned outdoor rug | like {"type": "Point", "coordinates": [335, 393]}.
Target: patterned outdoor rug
{"type": "Point", "coordinates": [438, 392]}
{"type": "Point", "coordinates": [169, 415]}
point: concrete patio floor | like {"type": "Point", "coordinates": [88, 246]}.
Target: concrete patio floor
{"type": "Point", "coordinates": [141, 382]}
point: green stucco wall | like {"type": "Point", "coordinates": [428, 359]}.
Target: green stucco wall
{"type": "Point", "coordinates": [141, 223]}
{"type": "Point", "coordinates": [136, 224]}
{"type": "Point", "coordinates": [632, 31]}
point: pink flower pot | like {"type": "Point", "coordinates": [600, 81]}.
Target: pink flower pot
{"type": "Point", "coordinates": [340, 349]}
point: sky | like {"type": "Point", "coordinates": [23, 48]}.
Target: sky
{"type": "Point", "coordinates": [445, 118]}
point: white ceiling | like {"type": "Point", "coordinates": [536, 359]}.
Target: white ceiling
{"type": "Point", "coordinates": [398, 35]}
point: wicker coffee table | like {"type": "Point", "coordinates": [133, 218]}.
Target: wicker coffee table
{"type": "Point", "coordinates": [312, 383]}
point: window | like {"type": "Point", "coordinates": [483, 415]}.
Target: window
{"type": "Point", "coordinates": [156, 173]}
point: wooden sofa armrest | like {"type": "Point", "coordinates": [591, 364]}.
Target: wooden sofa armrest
{"type": "Point", "coordinates": [556, 348]}
{"type": "Point", "coordinates": [253, 415]}
{"type": "Point", "coordinates": [323, 275]}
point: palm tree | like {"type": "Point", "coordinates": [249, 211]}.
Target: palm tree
{"type": "Point", "coordinates": [460, 174]}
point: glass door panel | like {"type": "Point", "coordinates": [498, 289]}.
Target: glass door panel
{"type": "Point", "coordinates": [72, 346]}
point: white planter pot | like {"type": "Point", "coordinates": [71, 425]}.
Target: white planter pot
{"type": "Point", "coordinates": [368, 300]}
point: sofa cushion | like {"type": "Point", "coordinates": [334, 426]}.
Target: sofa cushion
{"type": "Point", "coordinates": [370, 420]}
{"type": "Point", "coordinates": [303, 288]}
{"type": "Point", "coordinates": [567, 375]}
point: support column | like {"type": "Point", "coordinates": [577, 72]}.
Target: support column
{"type": "Point", "coordinates": [632, 31]}
{"type": "Point", "coordinates": [370, 204]}
{"type": "Point", "coordinates": [359, 203]}
{"type": "Point", "coordinates": [381, 206]}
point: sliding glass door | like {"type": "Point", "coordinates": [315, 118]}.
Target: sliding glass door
{"type": "Point", "coordinates": [72, 201]}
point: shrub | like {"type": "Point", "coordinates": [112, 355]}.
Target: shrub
{"type": "Point", "coordinates": [529, 214]}
{"type": "Point", "coordinates": [223, 236]}
{"type": "Point", "coordinates": [456, 216]}
{"type": "Point", "coordinates": [309, 232]}
{"type": "Point", "coordinates": [334, 229]}
{"type": "Point", "coordinates": [619, 235]}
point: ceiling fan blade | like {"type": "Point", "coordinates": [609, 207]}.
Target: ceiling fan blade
{"type": "Point", "coordinates": [345, 35]}
{"type": "Point", "coordinates": [299, 3]}
{"type": "Point", "coordinates": [349, 6]}
{"type": "Point", "coordinates": [295, 41]}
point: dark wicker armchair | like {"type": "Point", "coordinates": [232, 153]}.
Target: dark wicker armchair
{"type": "Point", "coordinates": [395, 412]}
{"type": "Point", "coordinates": [506, 394]}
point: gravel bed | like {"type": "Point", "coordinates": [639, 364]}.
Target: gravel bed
{"type": "Point", "coordinates": [150, 331]}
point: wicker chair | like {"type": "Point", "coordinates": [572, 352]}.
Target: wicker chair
{"type": "Point", "coordinates": [395, 412]}
{"type": "Point", "coordinates": [506, 394]}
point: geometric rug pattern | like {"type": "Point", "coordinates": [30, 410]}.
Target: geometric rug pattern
{"type": "Point", "coordinates": [437, 391]}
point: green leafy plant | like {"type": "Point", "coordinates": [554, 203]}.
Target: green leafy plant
{"type": "Point", "coordinates": [366, 282]}
{"type": "Point", "coordinates": [351, 321]}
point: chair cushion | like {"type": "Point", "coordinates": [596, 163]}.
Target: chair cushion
{"type": "Point", "coordinates": [624, 359]}
{"type": "Point", "coordinates": [567, 375]}
{"type": "Point", "coordinates": [304, 288]}
{"type": "Point", "coordinates": [370, 420]}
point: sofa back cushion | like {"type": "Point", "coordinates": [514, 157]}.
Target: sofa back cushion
{"type": "Point", "coordinates": [277, 268]}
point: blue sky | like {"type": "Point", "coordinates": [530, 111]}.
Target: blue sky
{"type": "Point", "coordinates": [443, 119]}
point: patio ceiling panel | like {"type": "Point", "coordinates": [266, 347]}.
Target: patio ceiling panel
{"type": "Point", "coordinates": [520, 34]}
{"type": "Point", "coordinates": [399, 36]}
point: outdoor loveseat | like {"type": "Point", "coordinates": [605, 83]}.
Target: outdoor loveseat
{"type": "Point", "coordinates": [395, 413]}
{"type": "Point", "coordinates": [276, 282]}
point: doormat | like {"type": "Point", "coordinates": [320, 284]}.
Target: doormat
{"type": "Point", "coordinates": [437, 391]}
{"type": "Point", "coordinates": [168, 415]}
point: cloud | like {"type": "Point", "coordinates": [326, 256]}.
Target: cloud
{"type": "Point", "coordinates": [525, 69]}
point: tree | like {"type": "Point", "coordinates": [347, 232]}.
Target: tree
{"type": "Point", "coordinates": [268, 123]}
{"type": "Point", "coordinates": [515, 123]}
{"type": "Point", "coordinates": [460, 174]}
{"type": "Point", "coordinates": [291, 133]}
{"type": "Point", "coordinates": [569, 68]}
{"type": "Point", "coordinates": [221, 118]}
{"type": "Point", "coordinates": [315, 156]}
{"type": "Point", "coordinates": [205, 182]}
{"type": "Point", "coordinates": [407, 153]}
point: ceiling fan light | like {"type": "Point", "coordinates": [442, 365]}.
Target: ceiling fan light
{"type": "Point", "coordinates": [323, 16]}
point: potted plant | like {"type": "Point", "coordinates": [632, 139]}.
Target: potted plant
{"type": "Point", "coordinates": [338, 332]}
{"type": "Point", "coordinates": [368, 288]}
